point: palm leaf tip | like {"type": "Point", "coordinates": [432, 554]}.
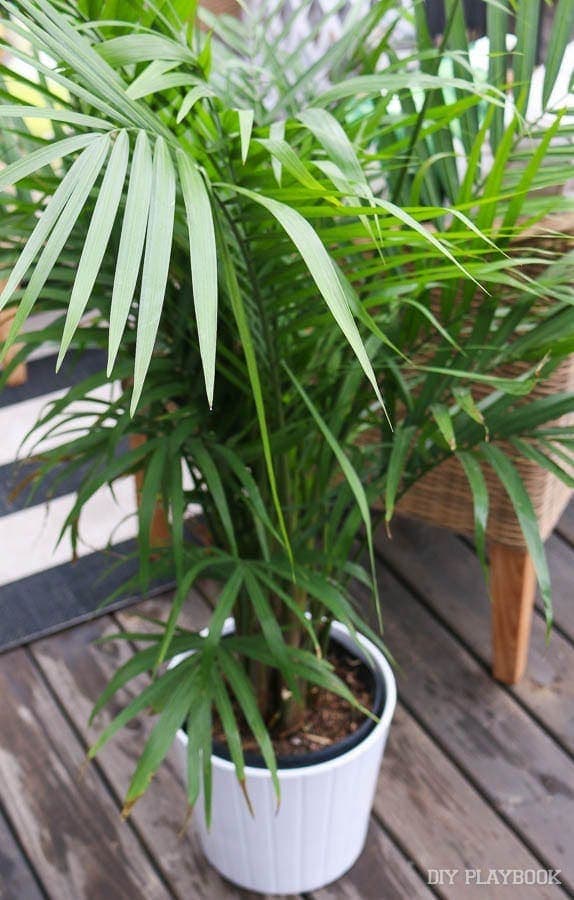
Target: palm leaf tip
{"type": "Point", "coordinates": [203, 256]}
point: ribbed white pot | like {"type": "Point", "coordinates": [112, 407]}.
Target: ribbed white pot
{"type": "Point", "coordinates": [320, 827]}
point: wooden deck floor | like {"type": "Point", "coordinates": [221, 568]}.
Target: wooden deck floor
{"type": "Point", "coordinates": [475, 776]}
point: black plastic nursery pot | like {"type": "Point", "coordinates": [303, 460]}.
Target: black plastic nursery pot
{"type": "Point", "coordinates": [371, 677]}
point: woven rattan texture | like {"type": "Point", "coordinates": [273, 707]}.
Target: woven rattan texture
{"type": "Point", "coordinates": [443, 496]}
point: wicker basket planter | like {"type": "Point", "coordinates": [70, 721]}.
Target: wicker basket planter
{"type": "Point", "coordinates": [442, 496]}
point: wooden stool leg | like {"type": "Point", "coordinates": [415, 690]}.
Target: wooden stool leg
{"type": "Point", "coordinates": [160, 533]}
{"type": "Point", "coordinates": [512, 589]}
{"type": "Point", "coordinates": [20, 374]}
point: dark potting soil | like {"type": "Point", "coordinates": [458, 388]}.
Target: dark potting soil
{"type": "Point", "coordinates": [328, 720]}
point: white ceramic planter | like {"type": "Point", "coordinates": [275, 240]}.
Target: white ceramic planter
{"type": "Point", "coordinates": [321, 825]}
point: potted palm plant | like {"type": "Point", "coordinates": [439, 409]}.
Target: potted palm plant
{"type": "Point", "coordinates": [224, 215]}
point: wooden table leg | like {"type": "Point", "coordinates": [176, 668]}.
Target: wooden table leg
{"type": "Point", "coordinates": [512, 589]}
{"type": "Point", "coordinates": [19, 374]}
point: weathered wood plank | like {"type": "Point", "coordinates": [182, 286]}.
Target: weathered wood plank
{"type": "Point", "coordinates": [561, 563]}
{"type": "Point", "coordinates": [458, 828]}
{"type": "Point", "coordinates": [380, 872]}
{"type": "Point", "coordinates": [440, 819]}
{"type": "Point", "coordinates": [195, 613]}
{"type": "Point", "coordinates": [565, 526]}
{"type": "Point", "coordinates": [514, 763]}
{"type": "Point", "coordinates": [68, 824]}
{"type": "Point", "coordinates": [445, 571]}
{"type": "Point", "coordinates": [16, 879]}
{"type": "Point", "coordinates": [79, 671]}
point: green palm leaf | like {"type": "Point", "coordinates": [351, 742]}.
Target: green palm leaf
{"type": "Point", "coordinates": [497, 27]}
{"type": "Point", "coordinates": [323, 272]}
{"type": "Point", "coordinates": [240, 315]}
{"type": "Point", "coordinates": [85, 180]}
{"type": "Point", "coordinates": [54, 115]}
{"type": "Point", "coordinates": [350, 474]}
{"type": "Point", "coordinates": [211, 476]}
{"type": "Point", "coordinates": [442, 418]}
{"type": "Point", "coordinates": [232, 734]}
{"type": "Point", "coordinates": [203, 255]}
{"type": "Point", "coordinates": [479, 491]}
{"type": "Point", "coordinates": [156, 263]}
{"type": "Point", "coordinates": [97, 239]}
{"type": "Point", "coordinates": [524, 55]}
{"type": "Point", "coordinates": [514, 487]}
{"type": "Point", "coordinates": [245, 128]}
{"type": "Point", "coordinates": [199, 92]}
{"type": "Point", "coordinates": [20, 169]}
{"type": "Point", "coordinates": [44, 226]}
{"type": "Point", "coordinates": [330, 133]}
{"type": "Point", "coordinates": [137, 48]}
{"type": "Point", "coordinates": [561, 34]}
{"type": "Point", "coordinates": [131, 243]}
{"type": "Point", "coordinates": [397, 461]}
{"type": "Point", "coordinates": [160, 740]}
{"type": "Point", "coordinates": [242, 689]}
{"type": "Point", "coordinates": [152, 697]}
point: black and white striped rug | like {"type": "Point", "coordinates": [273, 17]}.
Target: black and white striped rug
{"type": "Point", "coordinates": [41, 589]}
